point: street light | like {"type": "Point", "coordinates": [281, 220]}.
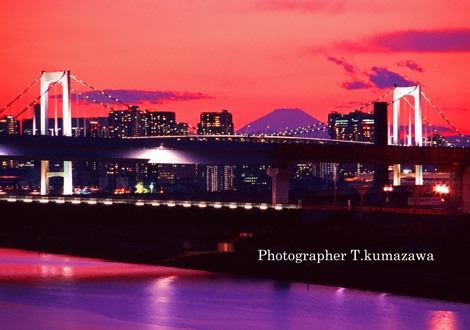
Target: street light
{"type": "Point", "coordinates": [388, 189]}
{"type": "Point", "coordinates": [441, 189]}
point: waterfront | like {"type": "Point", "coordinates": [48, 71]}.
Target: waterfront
{"type": "Point", "coordinates": [48, 291]}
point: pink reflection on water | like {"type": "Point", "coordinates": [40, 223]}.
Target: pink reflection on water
{"type": "Point", "coordinates": [442, 320]}
{"type": "Point", "coordinates": [20, 265]}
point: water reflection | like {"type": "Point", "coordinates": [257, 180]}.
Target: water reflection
{"type": "Point", "coordinates": [39, 291]}
{"type": "Point", "coordinates": [160, 299]}
{"type": "Point", "coordinates": [442, 320]}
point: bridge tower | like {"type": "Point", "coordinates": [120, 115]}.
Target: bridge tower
{"type": "Point", "coordinates": [62, 78]}
{"type": "Point", "coordinates": [398, 93]}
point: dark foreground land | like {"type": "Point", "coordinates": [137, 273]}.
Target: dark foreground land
{"type": "Point", "coordinates": [191, 237]}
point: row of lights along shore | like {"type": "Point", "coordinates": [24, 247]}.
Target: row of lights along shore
{"type": "Point", "coordinates": [186, 204]}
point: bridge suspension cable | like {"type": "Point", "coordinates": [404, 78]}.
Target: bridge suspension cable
{"type": "Point", "coordinates": [94, 100]}
{"type": "Point", "coordinates": [425, 120]}
{"type": "Point", "coordinates": [365, 105]}
{"type": "Point", "coordinates": [39, 97]}
{"type": "Point", "coordinates": [301, 130]}
{"type": "Point", "coordinates": [445, 118]}
{"type": "Point", "coordinates": [313, 128]}
{"type": "Point", "coordinates": [99, 91]}
{"type": "Point", "coordinates": [21, 94]}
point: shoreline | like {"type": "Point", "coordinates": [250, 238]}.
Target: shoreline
{"type": "Point", "coordinates": [229, 241]}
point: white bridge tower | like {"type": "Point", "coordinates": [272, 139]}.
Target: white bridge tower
{"type": "Point", "coordinates": [47, 79]}
{"type": "Point", "coordinates": [398, 93]}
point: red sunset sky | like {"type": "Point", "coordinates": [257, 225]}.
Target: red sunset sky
{"type": "Point", "coordinates": [250, 57]}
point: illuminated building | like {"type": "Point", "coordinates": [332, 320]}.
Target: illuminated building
{"type": "Point", "coordinates": [158, 123]}
{"type": "Point", "coordinates": [215, 123]}
{"type": "Point", "coordinates": [252, 177]}
{"type": "Point", "coordinates": [219, 178]}
{"type": "Point", "coordinates": [9, 125]}
{"type": "Point", "coordinates": [354, 126]}
{"type": "Point", "coordinates": [182, 129]}
{"type": "Point", "coordinates": [95, 129]}
{"type": "Point", "coordinates": [126, 123]}
{"type": "Point", "coordinates": [436, 140]}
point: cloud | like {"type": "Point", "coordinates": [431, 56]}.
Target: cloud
{"type": "Point", "coordinates": [133, 97]}
{"type": "Point", "coordinates": [425, 41]}
{"type": "Point", "coordinates": [384, 78]}
{"type": "Point", "coordinates": [352, 72]}
{"type": "Point", "coordinates": [378, 77]}
{"type": "Point", "coordinates": [411, 65]}
{"type": "Point", "coordinates": [356, 85]}
{"type": "Point", "coordinates": [417, 41]}
{"type": "Point", "coordinates": [349, 68]}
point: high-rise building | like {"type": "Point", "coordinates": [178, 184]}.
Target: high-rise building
{"type": "Point", "coordinates": [354, 126]}
{"type": "Point", "coordinates": [182, 129]}
{"type": "Point", "coordinates": [158, 123]}
{"type": "Point", "coordinates": [252, 177]}
{"type": "Point", "coordinates": [126, 123]}
{"type": "Point", "coordinates": [436, 140]}
{"type": "Point", "coordinates": [219, 178]}
{"type": "Point", "coordinates": [95, 129]}
{"type": "Point", "coordinates": [215, 123]}
{"type": "Point", "coordinates": [9, 125]}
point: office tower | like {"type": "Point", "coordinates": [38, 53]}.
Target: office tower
{"type": "Point", "coordinates": [354, 126]}
{"type": "Point", "coordinates": [215, 123]}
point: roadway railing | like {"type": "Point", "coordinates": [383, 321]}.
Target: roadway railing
{"type": "Point", "coordinates": [214, 204]}
{"type": "Point", "coordinates": [142, 202]}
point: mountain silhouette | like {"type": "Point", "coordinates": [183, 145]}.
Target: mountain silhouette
{"type": "Point", "coordinates": [281, 120]}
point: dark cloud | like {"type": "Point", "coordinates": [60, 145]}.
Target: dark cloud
{"type": "Point", "coordinates": [132, 97]}
{"type": "Point", "coordinates": [425, 41]}
{"type": "Point", "coordinates": [348, 67]}
{"type": "Point", "coordinates": [384, 78]}
{"type": "Point", "coordinates": [418, 41]}
{"type": "Point", "coordinates": [356, 85]}
{"type": "Point", "coordinates": [352, 72]}
{"type": "Point", "coordinates": [411, 65]}
{"type": "Point", "coordinates": [379, 77]}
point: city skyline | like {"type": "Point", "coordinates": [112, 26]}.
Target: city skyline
{"type": "Point", "coordinates": [248, 57]}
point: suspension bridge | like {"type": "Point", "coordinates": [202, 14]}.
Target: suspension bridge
{"type": "Point", "coordinates": [59, 87]}
{"type": "Point", "coordinates": [409, 125]}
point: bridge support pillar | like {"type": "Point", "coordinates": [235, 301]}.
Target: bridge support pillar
{"type": "Point", "coordinates": [68, 182]}
{"type": "Point", "coordinates": [396, 174]}
{"type": "Point", "coordinates": [44, 177]}
{"type": "Point", "coordinates": [66, 174]}
{"type": "Point", "coordinates": [419, 175]}
{"type": "Point", "coordinates": [280, 184]}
